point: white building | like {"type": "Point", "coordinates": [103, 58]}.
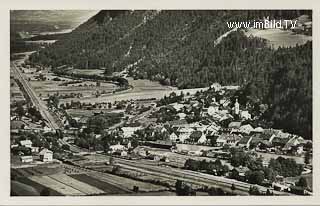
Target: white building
{"type": "Point", "coordinates": [177, 106]}
{"type": "Point", "coordinates": [213, 110]}
{"type": "Point", "coordinates": [173, 137]}
{"type": "Point", "coordinates": [35, 149]}
{"type": "Point", "coordinates": [181, 115]}
{"type": "Point", "coordinates": [245, 115]}
{"type": "Point", "coordinates": [26, 143]}
{"type": "Point", "coordinates": [46, 155]}
{"type": "Point", "coordinates": [202, 139]}
{"type": "Point", "coordinates": [26, 159]}
{"type": "Point", "coordinates": [216, 86]}
{"type": "Point", "coordinates": [117, 147]}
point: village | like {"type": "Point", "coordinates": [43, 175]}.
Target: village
{"type": "Point", "coordinates": [207, 131]}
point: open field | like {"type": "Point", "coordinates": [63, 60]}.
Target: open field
{"type": "Point", "coordinates": [106, 187]}
{"type": "Point", "coordinates": [123, 183]}
{"type": "Point", "coordinates": [86, 88]}
{"type": "Point", "coordinates": [65, 85]}
{"type": "Point", "coordinates": [56, 185]}
{"type": "Point", "coordinates": [142, 89]}
{"type": "Point", "coordinates": [127, 183]}
{"type": "Point", "coordinates": [268, 156]}
{"type": "Point", "coordinates": [38, 186]}
{"type": "Point", "coordinates": [81, 186]}
{"type": "Point", "coordinates": [88, 113]}
{"type": "Point", "coordinates": [21, 189]}
{"type": "Point", "coordinates": [36, 168]}
{"type": "Point", "coordinates": [280, 38]}
{"type": "Point", "coordinates": [88, 71]}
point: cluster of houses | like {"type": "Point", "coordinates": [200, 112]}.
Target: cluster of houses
{"type": "Point", "coordinates": [235, 134]}
{"type": "Point", "coordinates": [44, 154]}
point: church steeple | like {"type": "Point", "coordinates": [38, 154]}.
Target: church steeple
{"type": "Point", "coordinates": [236, 107]}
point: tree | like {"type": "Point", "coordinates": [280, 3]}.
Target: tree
{"type": "Point", "coordinates": [20, 111]}
{"type": "Point", "coordinates": [269, 193]}
{"type": "Point", "coordinates": [255, 177]}
{"type": "Point", "coordinates": [111, 160]}
{"type": "Point", "coordinates": [65, 147]}
{"type": "Point", "coordinates": [286, 167]}
{"type": "Point", "coordinates": [253, 190]}
{"type": "Point", "coordinates": [269, 174]}
{"type": "Point", "coordinates": [183, 189]}
{"type": "Point", "coordinates": [307, 157]}
{"type": "Point", "coordinates": [233, 188]}
{"type": "Point", "coordinates": [135, 189]}
{"type": "Point", "coordinates": [302, 182]}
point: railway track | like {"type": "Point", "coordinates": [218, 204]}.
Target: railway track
{"type": "Point", "coordinates": [190, 176]}
{"type": "Point", "coordinates": [34, 99]}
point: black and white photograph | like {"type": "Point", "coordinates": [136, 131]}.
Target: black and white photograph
{"type": "Point", "coordinates": [160, 102]}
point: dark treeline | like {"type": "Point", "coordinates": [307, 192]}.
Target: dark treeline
{"type": "Point", "coordinates": [178, 48]}
{"type": "Point", "coordinates": [115, 79]}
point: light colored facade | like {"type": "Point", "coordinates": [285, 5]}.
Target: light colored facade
{"type": "Point", "coordinates": [26, 143]}
{"type": "Point", "coordinates": [26, 159]}
{"type": "Point", "coordinates": [46, 155]}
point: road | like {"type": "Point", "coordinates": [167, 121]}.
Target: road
{"type": "Point", "coordinates": [41, 107]}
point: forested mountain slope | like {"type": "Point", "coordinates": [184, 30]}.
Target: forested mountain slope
{"type": "Point", "coordinates": [178, 48]}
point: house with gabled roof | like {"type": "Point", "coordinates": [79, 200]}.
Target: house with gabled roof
{"type": "Point", "coordinates": [245, 141]}
{"type": "Point", "coordinates": [246, 129]}
{"type": "Point", "coordinates": [234, 125]}
{"type": "Point", "coordinates": [173, 136]}
{"type": "Point", "coordinates": [202, 139]}
{"type": "Point", "coordinates": [228, 139]}
{"type": "Point", "coordinates": [279, 142]}
{"type": "Point", "coordinates": [256, 140]}
{"type": "Point", "coordinates": [46, 155]}
{"type": "Point", "coordinates": [258, 130]}
{"type": "Point", "coordinates": [267, 136]}
{"type": "Point", "coordinates": [294, 145]}
{"type": "Point", "coordinates": [183, 137]}
{"type": "Point", "coordinates": [212, 128]}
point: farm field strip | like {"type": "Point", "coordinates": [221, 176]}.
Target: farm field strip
{"type": "Point", "coordinates": [37, 186]}
{"type": "Point", "coordinates": [57, 186]}
{"type": "Point", "coordinates": [128, 183]}
{"type": "Point", "coordinates": [123, 183]}
{"type": "Point", "coordinates": [110, 179]}
{"type": "Point", "coordinates": [106, 187]}
{"type": "Point", "coordinates": [81, 186]}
